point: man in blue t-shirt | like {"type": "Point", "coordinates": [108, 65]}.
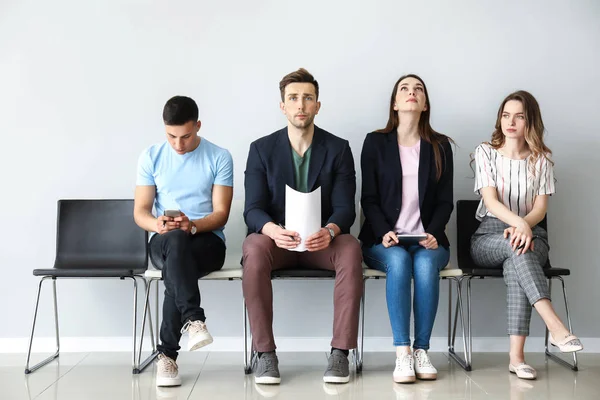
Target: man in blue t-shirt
{"type": "Point", "coordinates": [189, 183]}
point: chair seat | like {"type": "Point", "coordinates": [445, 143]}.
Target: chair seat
{"type": "Point", "coordinates": [557, 272]}
{"type": "Point", "coordinates": [235, 272]}
{"type": "Point", "coordinates": [302, 273]}
{"type": "Point", "coordinates": [222, 274]}
{"type": "Point", "coordinates": [373, 273]}
{"type": "Point", "coordinates": [447, 272]}
{"type": "Point", "coordinates": [497, 272]}
{"type": "Point", "coordinates": [232, 269]}
{"type": "Point", "coordinates": [88, 272]}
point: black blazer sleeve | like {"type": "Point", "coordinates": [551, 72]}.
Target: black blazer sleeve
{"type": "Point", "coordinates": [343, 191]}
{"type": "Point", "coordinates": [370, 195]}
{"type": "Point", "coordinates": [444, 195]}
{"type": "Point", "coordinates": [257, 192]}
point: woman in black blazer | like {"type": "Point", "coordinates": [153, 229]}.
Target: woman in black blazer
{"type": "Point", "coordinates": [407, 172]}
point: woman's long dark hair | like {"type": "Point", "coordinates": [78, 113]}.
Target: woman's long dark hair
{"type": "Point", "coordinates": [425, 130]}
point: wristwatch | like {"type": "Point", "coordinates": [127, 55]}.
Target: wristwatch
{"type": "Point", "coordinates": [331, 232]}
{"type": "Point", "coordinates": [194, 229]}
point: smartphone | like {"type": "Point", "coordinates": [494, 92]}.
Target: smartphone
{"type": "Point", "coordinates": [409, 240]}
{"type": "Point", "coordinates": [172, 213]}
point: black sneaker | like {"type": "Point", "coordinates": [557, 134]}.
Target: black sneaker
{"type": "Point", "coordinates": [337, 369]}
{"type": "Point", "coordinates": [267, 369]}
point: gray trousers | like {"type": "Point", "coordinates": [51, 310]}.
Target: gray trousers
{"type": "Point", "coordinates": [523, 274]}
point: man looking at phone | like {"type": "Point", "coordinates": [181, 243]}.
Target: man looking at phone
{"type": "Point", "coordinates": [189, 182]}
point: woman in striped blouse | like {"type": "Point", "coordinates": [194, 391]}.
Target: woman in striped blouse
{"type": "Point", "coordinates": [514, 177]}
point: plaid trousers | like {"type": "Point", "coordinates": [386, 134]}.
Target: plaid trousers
{"type": "Point", "coordinates": [523, 274]}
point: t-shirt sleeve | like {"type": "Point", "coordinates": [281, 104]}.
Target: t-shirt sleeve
{"type": "Point", "coordinates": [224, 176]}
{"type": "Point", "coordinates": [547, 185]}
{"type": "Point", "coordinates": [145, 170]}
{"type": "Point", "coordinates": [483, 168]}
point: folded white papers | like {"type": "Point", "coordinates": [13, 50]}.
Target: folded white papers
{"type": "Point", "coordinates": [302, 213]}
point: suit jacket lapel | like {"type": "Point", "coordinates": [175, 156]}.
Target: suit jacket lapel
{"type": "Point", "coordinates": [424, 166]}
{"type": "Point", "coordinates": [392, 157]}
{"type": "Point", "coordinates": [317, 158]}
{"type": "Point", "coordinates": [283, 155]}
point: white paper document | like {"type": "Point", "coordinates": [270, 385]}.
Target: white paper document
{"type": "Point", "coordinates": [302, 213]}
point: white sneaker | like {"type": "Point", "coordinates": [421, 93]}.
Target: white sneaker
{"type": "Point", "coordinates": [199, 336]}
{"type": "Point", "coordinates": [167, 373]}
{"type": "Point", "coordinates": [404, 371]}
{"type": "Point", "coordinates": [423, 366]}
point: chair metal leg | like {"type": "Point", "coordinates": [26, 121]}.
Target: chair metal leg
{"type": "Point", "coordinates": [450, 341]}
{"type": "Point", "coordinates": [142, 365]}
{"type": "Point", "coordinates": [28, 369]}
{"type": "Point", "coordinates": [469, 332]}
{"type": "Point", "coordinates": [152, 340]}
{"type": "Point", "coordinates": [156, 304]}
{"type": "Point", "coordinates": [452, 327]}
{"type": "Point", "coordinates": [462, 322]}
{"type": "Point", "coordinates": [247, 359]}
{"type": "Point", "coordinates": [359, 353]}
{"type": "Point", "coordinates": [546, 350]}
{"type": "Point", "coordinates": [552, 356]}
{"type": "Point", "coordinates": [456, 311]}
{"type": "Point", "coordinates": [134, 365]}
{"type": "Point", "coordinates": [463, 362]}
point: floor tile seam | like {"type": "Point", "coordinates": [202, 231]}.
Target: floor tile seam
{"type": "Point", "coordinates": [61, 376]}
{"type": "Point", "coordinates": [199, 373]}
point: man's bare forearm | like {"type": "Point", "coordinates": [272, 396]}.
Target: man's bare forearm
{"type": "Point", "coordinates": [145, 220]}
{"type": "Point", "coordinates": [212, 221]}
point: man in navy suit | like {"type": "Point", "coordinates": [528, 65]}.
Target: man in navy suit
{"type": "Point", "coordinates": [304, 157]}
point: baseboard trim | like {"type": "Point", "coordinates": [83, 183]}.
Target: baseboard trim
{"type": "Point", "coordinates": [300, 344]}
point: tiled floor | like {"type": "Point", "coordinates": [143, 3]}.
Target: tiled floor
{"type": "Point", "coordinates": [217, 376]}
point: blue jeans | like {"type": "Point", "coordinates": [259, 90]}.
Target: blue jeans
{"type": "Point", "coordinates": [401, 264]}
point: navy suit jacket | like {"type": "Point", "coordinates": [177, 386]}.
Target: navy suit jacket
{"type": "Point", "coordinates": [270, 168]}
{"type": "Point", "coordinates": [381, 197]}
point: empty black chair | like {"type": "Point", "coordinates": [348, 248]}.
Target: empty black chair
{"type": "Point", "coordinates": [466, 225]}
{"type": "Point", "coordinates": [94, 239]}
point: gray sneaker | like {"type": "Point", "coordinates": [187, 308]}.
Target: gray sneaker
{"type": "Point", "coordinates": [337, 369]}
{"type": "Point", "coordinates": [267, 369]}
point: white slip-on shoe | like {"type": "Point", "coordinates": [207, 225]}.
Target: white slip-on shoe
{"type": "Point", "coordinates": [523, 371]}
{"type": "Point", "coordinates": [568, 344]}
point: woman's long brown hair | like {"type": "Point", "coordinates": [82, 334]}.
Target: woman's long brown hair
{"type": "Point", "coordinates": [425, 130]}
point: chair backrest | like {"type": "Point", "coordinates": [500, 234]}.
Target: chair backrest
{"type": "Point", "coordinates": [99, 234]}
{"type": "Point", "coordinates": [466, 225]}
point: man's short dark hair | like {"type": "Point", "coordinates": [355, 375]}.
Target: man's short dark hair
{"type": "Point", "coordinates": [180, 110]}
{"type": "Point", "coordinates": [299, 76]}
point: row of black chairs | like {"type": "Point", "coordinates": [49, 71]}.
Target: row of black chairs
{"type": "Point", "coordinates": [99, 239]}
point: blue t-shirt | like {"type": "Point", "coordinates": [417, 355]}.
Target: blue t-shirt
{"type": "Point", "coordinates": [184, 181]}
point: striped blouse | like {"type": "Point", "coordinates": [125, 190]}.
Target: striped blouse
{"type": "Point", "coordinates": [515, 185]}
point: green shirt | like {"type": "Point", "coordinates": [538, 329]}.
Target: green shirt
{"type": "Point", "coordinates": [301, 170]}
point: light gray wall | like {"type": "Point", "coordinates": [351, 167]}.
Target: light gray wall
{"type": "Point", "coordinates": [82, 85]}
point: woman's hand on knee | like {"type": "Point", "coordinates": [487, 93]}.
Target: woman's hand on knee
{"type": "Point", "coordinates": [521, 238]}
{"type": "Point", "coordinates": [509, 232]}
{"type": "Point", "coordinates": [430, 243]}
{"type": "Point", "coordinates": [389, 239]}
